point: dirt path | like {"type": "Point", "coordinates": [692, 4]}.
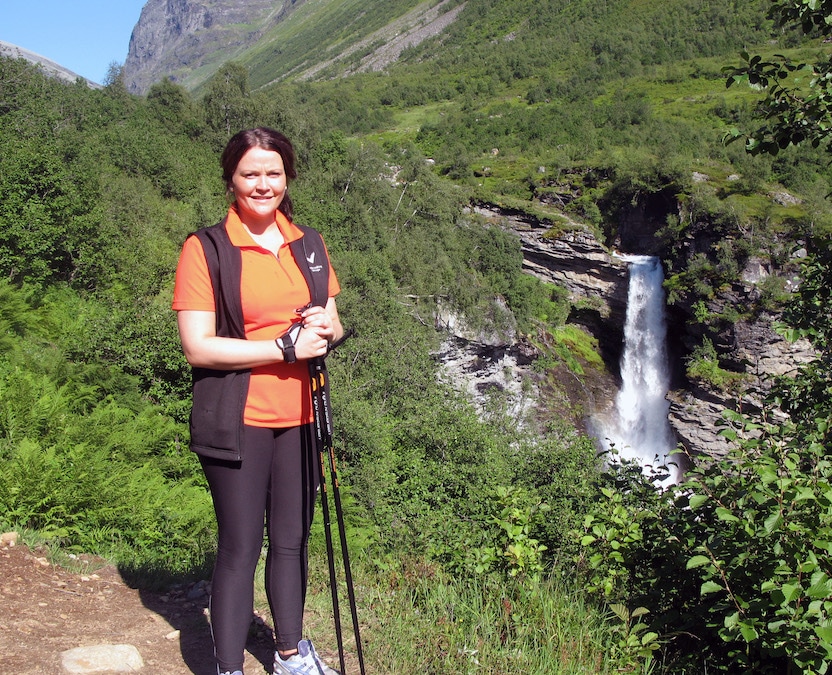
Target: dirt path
{"type": "Point", "coordinates": [45, 610]}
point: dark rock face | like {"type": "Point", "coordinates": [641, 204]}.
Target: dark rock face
{"type": "Point", "coordinates": [748, 347]}
{"type": "Point", "coordinates": [173, 38]}
{"type": "Point", "coordinates": [639, 223]}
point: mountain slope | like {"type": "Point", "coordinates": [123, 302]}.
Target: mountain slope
{"type": "Point", "coordinates": [384, 46]}
{"type": "Point", "coordinates": [188, 40]}
{"type": "Point", "coordinates": [47, 65]}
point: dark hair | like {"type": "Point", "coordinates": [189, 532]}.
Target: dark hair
{"type": "Point", "coordinates": [268, 139]}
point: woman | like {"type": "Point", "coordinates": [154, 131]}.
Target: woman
{"type": "Point", "coordinates": [260, 462]}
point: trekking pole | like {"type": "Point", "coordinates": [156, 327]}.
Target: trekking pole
{"type": "Point", "coordinates": [317, 403]}
{"type": "Point", "coordinates": [323, 426]}
{"type": "Point", "coordinates": [339, 512]}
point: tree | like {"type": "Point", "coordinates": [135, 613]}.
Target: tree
{"type": "Point", "coordinates": [171, 104]}
{"type": "Point", "coordinates": [227, 102]}
{"type": "Point", "coordinates": [797, 107]}
{"type": "Point", "coordinates": [115, 76]}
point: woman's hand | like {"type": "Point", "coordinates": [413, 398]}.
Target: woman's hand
{"type": "Point", "coordinates": [323, 321]}
{"type": "Point", "coordinates": [310, 344]}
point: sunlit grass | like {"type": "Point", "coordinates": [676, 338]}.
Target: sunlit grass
{"type": "Point", "coordinates": [414, 619]}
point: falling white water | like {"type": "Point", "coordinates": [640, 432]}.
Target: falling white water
{"type": "Point", "coordinates": [639, 427]}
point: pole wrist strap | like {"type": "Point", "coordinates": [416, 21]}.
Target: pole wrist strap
{"type": "Point", "coordinates": [286, 343]}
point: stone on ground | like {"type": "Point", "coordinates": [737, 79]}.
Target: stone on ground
{"type": "Point", "coordinates": [102, 659]}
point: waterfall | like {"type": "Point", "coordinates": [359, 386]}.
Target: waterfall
{"type": "Point", "coordinates": [639, 427]}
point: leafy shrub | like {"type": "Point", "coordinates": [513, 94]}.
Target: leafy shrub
{"type": "Point", "coordinates": [88, 463]}
{"type": "Point", "coordinates": [94, 497]}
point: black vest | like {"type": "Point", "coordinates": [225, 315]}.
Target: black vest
{"type": "Point", "coordinates": [219, 396]}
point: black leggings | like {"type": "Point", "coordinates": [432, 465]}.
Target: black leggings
{"type": "Point", "coordinates": [278, 477]}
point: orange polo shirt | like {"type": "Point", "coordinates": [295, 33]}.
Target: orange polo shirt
{"type": "Point", "coordinates": [272, 288]}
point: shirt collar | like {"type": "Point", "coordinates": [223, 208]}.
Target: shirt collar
{"type": "Point", "coordinates": [240, 237]}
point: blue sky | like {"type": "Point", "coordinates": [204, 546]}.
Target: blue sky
{"type": "Point", "coordinates": [84, 36]}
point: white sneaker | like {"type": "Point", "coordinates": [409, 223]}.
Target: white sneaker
{"type": "Point", "coordinates": [325, 669]}
{"type": "Point", "coordinates": [305, 662]}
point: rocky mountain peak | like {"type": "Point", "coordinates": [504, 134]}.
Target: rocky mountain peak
{"type": "Point", "coordinates": [175, 38]}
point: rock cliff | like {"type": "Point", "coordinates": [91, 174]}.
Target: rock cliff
{"type": "Point", "coordinates": [752, 349]}
{"type": "Point", "coordinates": [495, 367]}
{"type": "Point", "coordinates": [597, 282]}
{"type": "Point", "coordinates": [177, 38]}
{"type": "Point", "coordinates": [576, 260]}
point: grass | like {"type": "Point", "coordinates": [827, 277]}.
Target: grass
{"type": "Point", "coordinates": [416, 619]}
{"type": "Point", "coordinates": [317, 28]}
{"type": "Point", "coordinates": [578, 343]}
{"type": "Point", "coordinates": [409, 120]}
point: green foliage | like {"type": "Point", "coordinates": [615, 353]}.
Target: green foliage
{"type": "Point", "coordinates": [636, 643]}
{"type": "Point", "coordinates": [745, 538]}
{"type": "Point", "coordinates": [610, 531]}
{"type": "Point", "coordinates": [807, 314]}
{"type": "Point", "coordinates": [703, 365]}
{"type": "Point", "coordinates": [796, 108]}
{"type": "Point", "coordinates": [774, 293]}
{"type": "Point", "coordinates": [46, 217]}
{"type": "Point", "coordinates": [505, 540]}
{"type": "Point", "coordinates": [744, 545]}
{"type": "Point", "coordinates": [88, 464]}
{"type": "Point", "coordinates": [227, 102]}
{"type": "Point", "coordinates": [173, 106]}
{"type": "Point", "coordinates": [428, 620]}
{"type": "Point", "coordinates": [100, 188]}
{"type": "Point", "coordinates": [766, 567]}
{"type": "Point", "coordinates": [79, 497]}
{"type": "Point", "coordinates": [575, 346]}
{"type": "Point", "coordinates": [534, 302]}
{"type": "Point", "coordinates": [560, 467]}
{"type": "Point", "coordinates": [696, 281]}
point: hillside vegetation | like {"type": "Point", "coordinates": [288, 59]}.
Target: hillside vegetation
{"type": "Point", "coordinates": [481, 543]}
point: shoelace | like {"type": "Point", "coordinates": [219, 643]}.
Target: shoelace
{"type": "Point", "coordinates": [297, 664]}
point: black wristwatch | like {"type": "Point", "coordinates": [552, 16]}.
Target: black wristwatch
{"type": "Point", "coordinates": [286, 343]}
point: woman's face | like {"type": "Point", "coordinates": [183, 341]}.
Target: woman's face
{"type": "Point", "coordinates": [259, 184]}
